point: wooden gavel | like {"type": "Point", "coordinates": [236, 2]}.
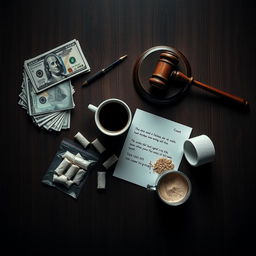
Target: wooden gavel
{"type": "Point", "coordinates": [165, 72]}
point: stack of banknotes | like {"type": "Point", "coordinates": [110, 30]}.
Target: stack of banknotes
{"type": "Point", "coordinates": [46, 90]}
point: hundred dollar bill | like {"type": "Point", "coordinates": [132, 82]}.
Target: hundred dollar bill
{"type": "Point", "coordinates": [44, 121]}
{"type": "Point", "coordinates": [66, 122]}
{"type": "Point", "coordinates": [57, 98]}
{"type": "Point", "coordinates": [56, 65]}
{"type": "Point", "coordinates": [22, 104]}
{"type": "Point", "coordinates": [54, 123]}
{"type": "Point", "coordinates": [23, 97]}
{"type": "Point", "coordinates": [57, 124]}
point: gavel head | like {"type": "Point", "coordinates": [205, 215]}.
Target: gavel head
{"type": "Point", "coordinates": [166, 64]}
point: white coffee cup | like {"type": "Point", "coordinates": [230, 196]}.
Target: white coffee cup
{"type": "Point", "coordinates": [112, 117]}
{"type": "Point", "coordinates": [199, 150]}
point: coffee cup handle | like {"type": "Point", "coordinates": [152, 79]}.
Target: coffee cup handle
{"type": "Point", "coordinates": [92, 108]}
{"type": "Point", "coordinates": [151, 188]}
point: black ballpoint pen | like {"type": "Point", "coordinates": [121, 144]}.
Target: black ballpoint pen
{"type": "Point", "coordinates": [103, 71]}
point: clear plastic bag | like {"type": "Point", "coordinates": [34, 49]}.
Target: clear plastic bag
{"type": "Point", "coordinates": [89, 154]}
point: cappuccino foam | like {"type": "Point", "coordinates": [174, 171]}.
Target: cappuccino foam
{"type": "Point", "coordinates": [173, 187]}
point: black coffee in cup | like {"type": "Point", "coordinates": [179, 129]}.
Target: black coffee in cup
{"type": "Point", "coordinates": [113, 116]}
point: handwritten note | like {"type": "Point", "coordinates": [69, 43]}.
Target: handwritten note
{"type": "Point", "coordinates": [150, 137]}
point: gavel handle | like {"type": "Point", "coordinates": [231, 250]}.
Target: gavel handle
{"type": "Point", "coordinates": [179, 76]}
{"type": "Point", "coordinates": [220, 92]}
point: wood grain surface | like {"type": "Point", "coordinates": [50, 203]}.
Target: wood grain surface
{"type": "Point", "coordinates": [218, 38]}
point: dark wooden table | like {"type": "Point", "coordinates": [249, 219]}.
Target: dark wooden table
{"type": "Point", "coordinates": [218, 38]}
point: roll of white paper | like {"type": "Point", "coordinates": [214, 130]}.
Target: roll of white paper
{"type": "Point", "coordinates": [199, 150]}
{"type": "Point", "coordinates": [62, 180]}
{"type": "Point", "coordinates": [63, 166]}
{"type": "Point", "coordinates": [101, 180]}
{"type": "Point", "coordinates": [79, 176]}
{"type": "Point", "coordinates": [97, 144]}
{"type": "Point", "coordinates": [83, 141]}
{"type": "Point", "coordinates": [77, 160]}
{"type": "Point", "coordinates": [69, 156]}
{"type": "Point", "coordinates": [109, 162]}
{"type": "Point", "coordinates": [72, 170]}
{"type": "Point", "coordinates": [79, 155]}
{"type": "Point", "coordinates": [82, 163]}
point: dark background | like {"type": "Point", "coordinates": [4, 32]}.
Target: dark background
{"type": "Point", "coordinates": [218, 38]}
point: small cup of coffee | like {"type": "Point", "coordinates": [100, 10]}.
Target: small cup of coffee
{"type": "Point", "coordinates": [172, 187]}
{"type": "Point", "coordinates": [112, 117]}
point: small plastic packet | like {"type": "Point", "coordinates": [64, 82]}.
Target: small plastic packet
{"type": "Point", "coordinates": [79, 176]}
{"type": "Point", "coordinates": [62, 167]}
{"type": "Point", "coordinates": [102, 171]}
{"type": "Point", "coordinates": [98, 145]}
{"type": "Point", "coordinates": [82, 140]}
{"type": "Point", "coordinates": [101, 180]}
{"type": "Point", "coordinates": [89, 155]}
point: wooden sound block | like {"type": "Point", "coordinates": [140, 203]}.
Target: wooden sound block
{"type": "Point", "coordinates": [143, 69]}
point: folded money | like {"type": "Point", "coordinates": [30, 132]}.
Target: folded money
{"type": "Point", "coordinates": [46, 89]}
{"type": "Point", "coordinates": [56, 66]}
{"type": "Point", "coordinates": [49, 109]}
{"type": "Point", "coordinates": [57, 98]}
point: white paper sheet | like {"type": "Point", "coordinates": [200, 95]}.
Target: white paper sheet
{"type": "Point", "coordinates": [149, 138]}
